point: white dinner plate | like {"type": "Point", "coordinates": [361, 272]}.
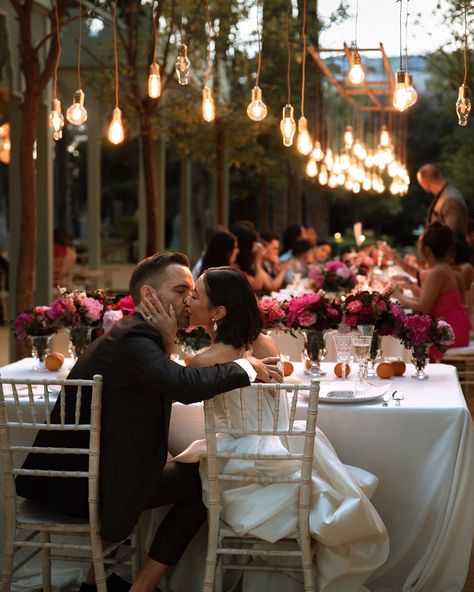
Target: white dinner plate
{"type": "Point", "coordinates": [332, 393]}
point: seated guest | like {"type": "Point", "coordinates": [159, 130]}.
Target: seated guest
{"type": "Point", "coordinates": [210, 231]}
{"type": "Point", "coordinates": [301, 261]}
{"type": "Point", "coordinates": [139, 385]}
{"type": "Point", "coordinates": [64, 259]}
{"type": "Point", "coordinates": [222, 250]}
{"type": "Point", "coordinates": [439, 294]}
{"type": "Point", "coordinates": [322, 251]}
{"type": "Point", "coordinates": [271, 260]}
{"type": "Point", "coordinates": [290, 235]}
{"type": "Point", "coordinates": [250, 260]}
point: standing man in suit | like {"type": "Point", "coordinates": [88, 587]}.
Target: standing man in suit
{"type": "Point", "coordinates": [139, 385]}
{"type": "Point", "coordinates": [448, 205]}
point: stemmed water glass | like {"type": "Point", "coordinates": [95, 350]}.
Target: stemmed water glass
{"type": "Point", "coordinates": [375, 351]}
{"type": "Point", "coordinates": [361, 347]}
{"type": "Point", "coordinates": [342, 341]}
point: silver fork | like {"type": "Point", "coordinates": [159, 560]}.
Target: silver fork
{"type": "Point", "coordinates": [398, 397]}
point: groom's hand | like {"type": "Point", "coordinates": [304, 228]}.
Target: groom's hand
{"type": "Point", "coordinates": [267, 369]}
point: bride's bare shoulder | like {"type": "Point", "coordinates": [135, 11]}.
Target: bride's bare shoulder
{"type": "Point", "coordinates": [201, 360]}
{"type": "Point", "coordinates": [215, 354]}
{"type": "Point", "coordinates": [264, 346]}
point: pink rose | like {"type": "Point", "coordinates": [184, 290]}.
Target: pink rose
{"type": "Point", "coordinates": [354, 306]}
{"type": "Point", "coordinates": [307, 318]}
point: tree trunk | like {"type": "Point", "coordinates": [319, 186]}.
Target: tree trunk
{"type": "Point", "coordinates": [149, 175]}
{"type": "Point", "coordinates": [25, 276]}
{"type": "Point", "coordinates": [221, 163]}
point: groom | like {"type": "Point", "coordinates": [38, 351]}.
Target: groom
{"type": "Point", "coordinates": [140, 383]}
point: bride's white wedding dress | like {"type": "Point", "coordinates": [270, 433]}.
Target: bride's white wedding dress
{"type": "Point", "coordinates": [351, 538]}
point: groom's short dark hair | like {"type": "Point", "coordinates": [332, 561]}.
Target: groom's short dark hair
{"type": "Point", "coordinates": [150, 269]}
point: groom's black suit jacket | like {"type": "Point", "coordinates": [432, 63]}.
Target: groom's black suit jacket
{"type": "Point", "coordinates": [140, 383]}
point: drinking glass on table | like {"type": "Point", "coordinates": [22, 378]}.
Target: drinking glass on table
{"type": "Point", "coordinates": [361, 347]}
{"type": "Point", "coordinates": [342, 341]}
{"type": "Point", "coordinates": [365, 330]}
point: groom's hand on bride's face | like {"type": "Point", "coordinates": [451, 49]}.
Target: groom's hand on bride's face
{"type": "Point", "coordinates": [267, 369]}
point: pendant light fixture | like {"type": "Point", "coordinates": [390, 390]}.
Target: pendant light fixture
{"type": "Point", "coordinates": [400, 98]}
{"type": "Point", "coordinates": [208, 107]}
{"type": "Point", "coordinates": [356, 73]}
{"type": "Point", "coordinates": [116, 134]}
{"type": "Point", "coordinates": [56, 118]}
{"type": "Point", "coordinates": [257, 110]}
{"type": "Point", "coordinates": [412, 95]}
{"type": "Point", "coordinates": [154, 78]}
{"type": "Point", "coordinates": [463, 104]}
{"type": "Point", "coordinates": [287, 123]}
{"type": "Point", "coordinates": [182, 63]}
{"type": "Point", "coordinates": [77, 114]}
{"type": "Point", "coordinates": [304, 143]}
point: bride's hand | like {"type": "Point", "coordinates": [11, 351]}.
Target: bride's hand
{"type": "Point", "coordinates": [267, 369]}
{"type": "Point", "coordinates": [153, 311]}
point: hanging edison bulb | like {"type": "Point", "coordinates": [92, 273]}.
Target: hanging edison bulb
{"type": "Point", "coordinates": [257, 110]}
{"type": "Point", "coordinates": [329, 159]}
{"type": "Point", "coordinates": [332, 181]}
{"type": "Point", "coordinates": [182, 64]}
{"type": "Point", "coordinates": [208, 107]}
{"type": "Point", "coordinates": [116, 133]}
{"type": "Point", "coordinates": [323, 175]}
{"type": "Point", "coordinates": [304, 144]}
{"type": "Point", "coordinates": [56, 119]}
{"type": "Point", "coordinates": [356, 73]}
{"type": "Point", "coordinates": [5, 144]}
{"type": "Point", "coordinates": [384, 136]}
{"type": "Point", "coordinates": [311, 168]}
{"type": "Point", "coordinates": [77, 114]}
{"type": "Point", "coordinates": [412, 95]}
{"type": "Point", "coordinates": [154, 81]}
{"type": "Point", "coordinates": [288, 125]}
{"type": "Point", "coordinates": [348, 137]}
{"type": "Point", "coordinates": [366, 184]}
{"type": "Point", "coordinates": [317, 153]}
{"type": "Point", "coordinates": [369, 161]}
{"type": "Point", "coordinates": [400, 97]}
{"type": "Point", "coordinates": [463, 104]}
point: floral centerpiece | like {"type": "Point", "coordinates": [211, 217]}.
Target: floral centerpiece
{"type": "Point", "coordinates": [38, 326]}
{"type": "Point", "coordinates": [117, 311]}
{"type": "Point", "coordinates": [312, 314]}
{"type": "Point", "coordinates": [192, 339]}
{"type": "Point", "coordinates": [374, 308]}
{"type": "Point", "coordinates": [79, 314]}
{"type": "Point", "coordinates": [333, 276]}
{"type": "Point", "coordinates": [35, 322]}
{"type": "Point", "coordinates": [419, 332]}
{"type": "Point", "coordinates": [273, 313]}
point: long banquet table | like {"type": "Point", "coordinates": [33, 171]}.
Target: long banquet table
{"type": "Point", "coordinates": [422, 452]}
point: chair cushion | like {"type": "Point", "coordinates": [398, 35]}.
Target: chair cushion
{"type": "Point", "coordinates": [31, 512]}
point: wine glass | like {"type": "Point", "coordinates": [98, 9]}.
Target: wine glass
{"type": "Point", "coordinates": [361, 347]}
{"type": "Point", "coordinates": [342, 341]}
{"type": "Point", "coordinates": [365, 330]}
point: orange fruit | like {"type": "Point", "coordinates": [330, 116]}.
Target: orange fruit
{"type": "Point", "coordinates": [338, 370]}
{"type": "Point", "coordinates": [287, 368]}
{"type": "Point", "coordinates": [187, 359]}
{"type": "Point", "coordinates": [54, 361]}
{"type": "Point", "coordinates": [399, 367]}
{"type": "Point", "coordinates": [307, 364]}
{"type": "Point", "coordinates": [385, 370]}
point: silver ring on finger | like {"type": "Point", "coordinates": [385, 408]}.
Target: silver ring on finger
{"type": "Point", "coordinates": [149, 317]}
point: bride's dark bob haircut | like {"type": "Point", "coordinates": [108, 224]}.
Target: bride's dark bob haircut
{"type": "Point", "coordinates": [226, 286]}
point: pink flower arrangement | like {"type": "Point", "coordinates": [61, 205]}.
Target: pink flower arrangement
{"type": "Point", "coordinates": [422, 329]}
{"type": "Point", "coordinates": [313, 311]}
{"type": "Point", "coordinates": [126, 305]}
{"type": "Point", "coordinates": [34, 322]}
{"type": "Point", "coordinates": [374, 308]}
{"type": "Point", "coordinates": [333, 276]}
{"type": "Point", "coordinates": [110, 318]}
{"type": "Point", "coordinates": [272, 313]}
{"type": "Point", "coordinates": [75, 309]}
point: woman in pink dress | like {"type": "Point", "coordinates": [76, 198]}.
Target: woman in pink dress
{"type": "Point", "coordinates": [439, 294]}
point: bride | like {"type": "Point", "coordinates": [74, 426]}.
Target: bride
{"type": "Point", "coordinates": [350, 537]}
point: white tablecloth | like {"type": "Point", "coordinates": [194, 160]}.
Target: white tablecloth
{"type": "Point", "coordinates": [422, 453]}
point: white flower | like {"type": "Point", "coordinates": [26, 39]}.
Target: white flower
{"type": "Point", "coordinates": [110, 318]}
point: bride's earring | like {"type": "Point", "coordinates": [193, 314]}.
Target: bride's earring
{"type": "Point", "coordinates": [214, 326]}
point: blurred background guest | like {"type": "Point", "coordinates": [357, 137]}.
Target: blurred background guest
{"type": "Point", "coordinates": [290, 235]}
{"type": "Point", "coordinates": [64, 259]}
{"type": "Point", "coordinates": [196, 271]}
{"type": "Point", "coordinates": [301, 260]}
{"type": "Point", "coordinates": [322, 251]}
{"type": "Point", "coordinates": [222, 250]}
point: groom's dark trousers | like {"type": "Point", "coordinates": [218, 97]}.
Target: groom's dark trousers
{"type": "Point", "coordinates": [140, 384]}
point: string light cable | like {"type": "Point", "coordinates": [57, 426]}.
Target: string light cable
{"type": "Point", "coordinates": [287, 123]}
{"type": "Point", "coordinates": [77, 114]}
{"type": "Point", "coordinates": [257, 110]}
{"type": "Point", "coordinates": [56, 118]}
{"type": "Point", "coordinates": [116, 134]}
{"type": "Point", "coordinates": [304, 143]}
{"type": "Point", "coordinates": [208, 106]}
{"type": "Point", "coordinates": [463, 104]}
{"type": "Point", "coordinates": [154, 77]}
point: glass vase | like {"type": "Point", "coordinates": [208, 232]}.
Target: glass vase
{"type": "Point", "coordinates": [375, 355]}
{"type": "Point", "coordinates": [40, 347]}
{"type": "Point", "coordinates": [79, 339]}
{"type": "Point", "coordinates": [314, 351]}
{"type": "Point", "coordinates": [420, 359]}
